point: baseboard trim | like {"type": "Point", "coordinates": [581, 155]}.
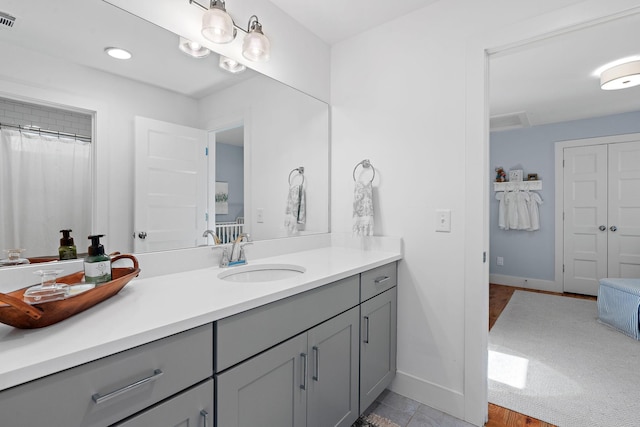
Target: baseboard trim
{"type": "Point", "coordinates": [430, 394]}
{"type": "Point", "coordinates": [525, 282]}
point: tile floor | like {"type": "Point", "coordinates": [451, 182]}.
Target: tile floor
{"type": "Point", "coordinates": [408, 413]}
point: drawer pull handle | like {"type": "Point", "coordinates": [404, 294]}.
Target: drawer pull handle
{"type": "Point", "coordinates": [316, 351]}
{"type": "Point", "coordinates": [98, 399]}
{"type": "Point", "coordinates": [205, 417]}
{"type": "Point", "coordinates": [366, 329]}
{"type": "Point", "coordinates": [303, 386]}
{"type": "Point", "coordinates": [381, 279]}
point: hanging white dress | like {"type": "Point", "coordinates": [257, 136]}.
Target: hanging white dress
{"type": "Point", "coordinates": [502, 214]}
{"type": "Point", "coordinates": [534, 213]}
{"type": "Point", "coordinates": [522, 206]}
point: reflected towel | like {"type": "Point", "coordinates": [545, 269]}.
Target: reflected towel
{"type": "Point", "coordinates": [363, 209]}
{"type": "Point", "coordinates": [296, 213]}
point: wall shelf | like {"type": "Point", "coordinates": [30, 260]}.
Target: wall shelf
{"type": "Point", "coordinates": [517, 185]}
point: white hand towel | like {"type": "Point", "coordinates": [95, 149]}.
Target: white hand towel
{"type": "Point", "coordinates": [296, 212]}
{"type": "Point", "coordinates": [363, 209]}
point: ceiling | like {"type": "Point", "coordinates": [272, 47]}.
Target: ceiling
{"type": "Point", "coordinates": [549, 81]}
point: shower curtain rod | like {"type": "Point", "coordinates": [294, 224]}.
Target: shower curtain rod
{"type": "Point", "coordinates": [83, 138]}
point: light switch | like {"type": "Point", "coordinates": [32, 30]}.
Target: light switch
{"type": "Point", "coordinates": [260, 215]}
{"type": "Point", "coordinates": [443, 220]}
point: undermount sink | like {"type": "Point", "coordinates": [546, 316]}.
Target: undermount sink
{"type": "Point", "coordinates": [261, 272]}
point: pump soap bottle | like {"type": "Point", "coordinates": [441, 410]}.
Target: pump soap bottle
{"type": "Point", "coordinates": [97, 266]}
{"type": "Point", "coordinates": [67, 248]}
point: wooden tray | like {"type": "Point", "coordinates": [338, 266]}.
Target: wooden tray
{"type": "Point", "coordinates": [17, 313]}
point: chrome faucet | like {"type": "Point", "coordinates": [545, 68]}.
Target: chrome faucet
{"type": "Point", "coordinates": [237, 250]}
{"type": "Point", "coordinates": [216, 239]}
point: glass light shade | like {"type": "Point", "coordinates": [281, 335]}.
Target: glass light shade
{"type": "Point", "coordinates": [192, 48]}
{"type": "Point", "coordinates": [217, 26]}
{"type": "Point", "coordinates": [231, 65]}
{"type": "Point", "coordinates": [256, 46]}
{"type": "Point", "coordinates": [621, 76]}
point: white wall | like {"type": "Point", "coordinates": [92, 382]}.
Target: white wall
{"type": "Point", "coordinates": [35, 77]}
{"type": "Point", "coordinates": [283, 129]}
{"type": "Point", "coordinates": [410, 95]}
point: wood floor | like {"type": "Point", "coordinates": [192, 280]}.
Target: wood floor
{"type": "Point", "coordinates": [499, 296]}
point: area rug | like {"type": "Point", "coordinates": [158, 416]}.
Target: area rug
{"type": "Point", "coordinates": [551, 359]}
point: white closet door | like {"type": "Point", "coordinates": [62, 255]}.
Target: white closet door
{"type": "Point", "coordinates": [624, 210]}
{"type": "Point", "coordinates": [170, 186]}
{"type": "Point", "coordinates": [585, 218]}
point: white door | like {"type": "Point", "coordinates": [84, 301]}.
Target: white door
{"type": "Point", "coordinates": [170, 185]}
{"type": "Point", "coordinates": [601, 214]}
{"type": "Point", "coordinates": [624, 210]}
{"type": "Point", "coordinates": [585, 218]}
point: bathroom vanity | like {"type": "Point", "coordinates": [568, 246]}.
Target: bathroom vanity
{"type": "Point", "coordinates": [189, 347]}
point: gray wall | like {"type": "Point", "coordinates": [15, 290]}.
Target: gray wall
{"type": "Point", "coordinates": [531, 254]}
{"type": "Point", "coordinates": [230, 168]}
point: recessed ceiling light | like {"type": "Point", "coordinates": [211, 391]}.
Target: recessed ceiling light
{"type": "Point", "coordinates": [118, 53]}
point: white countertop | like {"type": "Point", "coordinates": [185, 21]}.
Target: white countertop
{"type": "Point", "coordinates": [152, 308]}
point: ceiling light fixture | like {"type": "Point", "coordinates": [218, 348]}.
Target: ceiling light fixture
{"type": "Point", "coordinates": [118, 53]}
{"type": "Point", "coordinates": [192, 48]}
{"type": "Point", "coordinates": [621, 76]}
{"type": "Point", "coordinates": [219, 27]}
{"type": "Point", "coordinates": [231, 65]}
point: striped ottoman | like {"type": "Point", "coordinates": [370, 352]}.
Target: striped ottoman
{"type": "Point", "coordinates": [618, 305]}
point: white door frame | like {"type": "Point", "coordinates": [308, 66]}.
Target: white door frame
{"type": "Point", "coordinates": [559, 188]}
{"type": "Point", "coordinates": [476, 296]}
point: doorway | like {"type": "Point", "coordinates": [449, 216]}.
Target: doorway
{"type": "Point", "coordinates": [540, 41]}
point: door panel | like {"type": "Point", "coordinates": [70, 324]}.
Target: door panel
{"type": "Point", "coordinates": [585, 211]}
{"type": "Point", "coordinates": [624, 210]}
{"type": "Point", "coordinates": [265, 390]}
{"type": "Point", "coordinates": [333, 378]}
{"type": "Point", "coordinates": [170, 186]}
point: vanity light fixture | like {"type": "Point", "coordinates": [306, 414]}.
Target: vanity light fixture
{"type": "Point", "coordinates": [621, 76]}
{"type": "Point", "coordinates": [219, 27]}
{"type": "Point", "coordinates": [231, 65]}
{"type": "Point", "coordinates": [117, 53]}
{"type": "Point", "coordinates": [192, 48]}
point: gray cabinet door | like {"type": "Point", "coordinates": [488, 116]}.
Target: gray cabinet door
{"type": "Point", "coordinates": [267, 390]}
{"type": "Point", "coordinates": [333, 371]}
{"type": "Point", "coordinates": [193, 407]}
{"type": "Point", "coordinates": [377, 346]}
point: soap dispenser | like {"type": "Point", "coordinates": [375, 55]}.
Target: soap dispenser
{"type": "Point", "coordinates": [67, 249]}
{"type": "Point", "coordinates": [97, 266]}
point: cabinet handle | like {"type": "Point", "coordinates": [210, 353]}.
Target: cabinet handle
{"type": "Point", "coordinates": [98, 399]}
{"type": "Point", "coordinates": [613, 228]}
{"type": "Point", "coordinates": [303, 386]}
{"type": "Point", "coordinates": [381, 279]}
{"type": "Point", "coordinates": [366, 329]}
{"type": "Point", "coordinates": [602, 228]}
{"type": "Point", "coordinates": [316, 352]}
{"type": "Point", "coordinates": [205, 417]}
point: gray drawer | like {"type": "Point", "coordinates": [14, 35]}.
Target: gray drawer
{"type": "Point", "coordinates": [68, 398]}
{"type": "Point", "coordinates": [245, 334]}
{"type": "Point", "coordinates": [189, 408]}
{"type": "Point", "coordinates": [378, 280]}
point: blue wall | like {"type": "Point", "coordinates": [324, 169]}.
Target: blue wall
{"type": "Point", "coordinates": [532, 254]}
{"type": "Point", "coordinates": [230, 168]}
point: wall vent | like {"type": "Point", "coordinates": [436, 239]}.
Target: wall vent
{"type": "Point", "coordinates": [6, 20]}
{"type": "Point", "coordinates": [509, 121]}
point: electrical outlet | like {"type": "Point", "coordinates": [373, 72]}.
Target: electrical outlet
{"type": "Point", "coordinates": [500, 260]}
{"type": "Point", "coordinates": [260, 215]}
{"type": "Point", "coordinates": [443, 220]}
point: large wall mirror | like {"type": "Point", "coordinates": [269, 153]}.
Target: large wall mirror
{"type": "Point", "coordinates": [58, 61]}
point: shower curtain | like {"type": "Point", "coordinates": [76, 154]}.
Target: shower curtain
{"type": "Point", "coordinates": [45, 186]}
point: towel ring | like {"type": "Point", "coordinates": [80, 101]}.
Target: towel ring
{"type": "Point", "coordinates": [300, 171]}
{"type": "Point", "coordinates": [365, 164]}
